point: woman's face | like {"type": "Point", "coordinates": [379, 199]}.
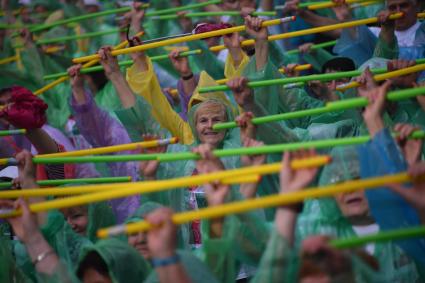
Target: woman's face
{"type": "Point", "coordinates": [353, 204]}
{"type": "Point", "coordinates": [139, 241]}
{"type": "Point", "coordinates": [205, 118]}
{"type": "Point", "coordinates": [77, 218]}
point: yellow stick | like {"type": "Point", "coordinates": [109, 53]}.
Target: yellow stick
{"type": "Point", "coordinates": [223, 81]}
{"type": "Point", "coordinates": [88, 64]}
{"type": "Point", "coordinates": [281, 70]}
{"type": "Point", "coordinates": [114, 148]}
{"type": "Point", "coordinates": [248, 42]}
{"type": "Point", "coordinates": [364, 4]}
{"type": "Point", "coordinates": [332, 4]}
{"type": "Point", "coordinates": [78, 190]}
{"type": "Point", "coordinates": [264, 202]}
{"type": "Point", "coordinates": [180, 40]}
{"type": "Point", "coordinates": [128, 189]}
{"type": "Point", "coordinates": [385, 76]}
{"type": "Point", "coordinates": [8, 59]}
{"type": "Point", "coordinates": [104, 150]}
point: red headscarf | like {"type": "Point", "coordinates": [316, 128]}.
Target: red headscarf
{"type": "Point", "coordinates": [25, 110]}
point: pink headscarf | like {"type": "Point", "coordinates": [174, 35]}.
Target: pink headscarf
{"type": "Point", "coordinates": [206, 27]}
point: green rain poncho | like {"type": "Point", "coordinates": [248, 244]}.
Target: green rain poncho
{"type": "Point", "coordinates": [66, 243]}
{"type": "Point", "coordinates": [275, 99]}
{"type": "Point", "coordinates": [100, 215]}
{"type": "Point", "coordinates": [323, 216]}
{"type": "Point", "coordinates": [125, 264]}
{"type": "Point", "coordinates": [8, 270]}
{"type": "Point", "coordinates": [195, 269]}
{"type": "Point", "coordinates": [404, 111]}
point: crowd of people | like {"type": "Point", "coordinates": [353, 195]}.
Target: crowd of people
{"type": "Point", "coordinates": [153, 99]}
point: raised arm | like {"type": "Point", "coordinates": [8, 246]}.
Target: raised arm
{"type": "Point", "coordinates": [100, 130]}
{"type": "Point", "coordinates": [143, 81]}
{"type": "Point", "coordinates": [269, 133]}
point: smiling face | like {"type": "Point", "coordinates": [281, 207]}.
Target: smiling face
{"type": "Point", "coordinates": [410, 9]}
{"type": "Point", "coordinates": [353, 204]}
{"type": "Point", "coordinates": [206, 116]}
{"type": "Point", "coordinates": [139, 241]}
{"type": "Point", "coordinates": [77, 218]}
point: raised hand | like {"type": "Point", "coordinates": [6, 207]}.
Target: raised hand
{"type": "Point", "coordinates": [290, 70]}
{"type": "Point", "coordinates": [77, 80]}
{"type": "Point", "coordinates": [405, 81]}
{"type": "Point", "coordinates": [373, 112]}
{"type": "Point", "coordinates": [305, 48]}
{"type": "Point", "coordinates": [162, 238]}
{"type": "Point", "coordinates": [24, 226]}
{"type": "Point", "coordinates": [149, 168]}
{"type": "Point", "coordinates": [411, 148]}
{"type": "Point", "coordinates": [295, 180]}
{"type": "Point", "coordinates": [342, 10]}
{"type": "Point", "coordinates": [180, 63]}
{"type": "Point", "coordinates": [185, 22]}
{"type": "Point", "coordinates": [26, 169]}
{"type": "Point", "coordinates": [109, 62]}
{"type": "Point", "coordinates": [215, 192]}
{"type": "Point", "coordinates": [366, 82]}
{"type": "Point", "coordinates": [254, 28]}
{"type": "Point", "coordinates": [247, 128]}
{"type": "Point", "coordinates": [415, 195]}
{"type": "Point", "coordinates": [252, 160]}
{"type": "Point", "coordinates": [244, 96]}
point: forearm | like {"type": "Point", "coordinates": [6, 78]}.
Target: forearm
{"type": "Point", "coordinates": [78, 93]}
{"type": "Point", "coordinates": [37, 246]}
{"type": "Point", "coordinates": [237, 56]}
{"type": "Point", "coordinates": [261, 53]}
{"type": "Point", "coordinates": [42, 141]}
{"type": "Point", "coordinates": [285, 221]}
{"type": "Point", "coordinates": [374, 124]}
{"type": "Point", "coordinates": [270, 133]}
{"type": "Point", "coordinates": [316, 21]}
{"type": "Point", "coordinates": [189, 85]}
{"type": "Point", "coordinates": [123, 89]}
{"type": "Point", "coordinates": [173, 273]}
{"type": "Point", "coordinates": [249, 190]}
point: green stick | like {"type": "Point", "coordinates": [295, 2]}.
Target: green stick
{"type": "Point", "coordinates": [314, 47]}
{"type": "Point", "coordinates": [13, 132]}
{"type": "Point", "coordinates": [212, 14]}
{"type": "Point", "coordinates": [74, 37]}
{"type": "Point", "coordinates": [17, 26]}
{"type": "Point", "coordinates": [121, 64]}
{"type": "Point", "coordinates": [319, 77]}
{"type": "Point", "coordinates": [80, 18]}
{"type": "Point", "coordinates": [169, 157]}
{"type": "Point", "coordinates": [400, 234]}
{"type": "Point", "coordinates": [306, 4]}
{"type": "Point", "coordinates": [182, 8]}
{"type": "Point", "coordinates": [75, 181]}
{"type": "Point", "coordinates": [330, 107]}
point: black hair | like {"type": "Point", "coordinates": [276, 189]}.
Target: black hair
{"type": "Point", "coordinates": [5, 90]}
{"type": "Point", "coordinates": [339, 64]}
{"type": "Point", "coordinates": [99, 79]}
{"type": "Point", "coordinates": [92, 260]}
